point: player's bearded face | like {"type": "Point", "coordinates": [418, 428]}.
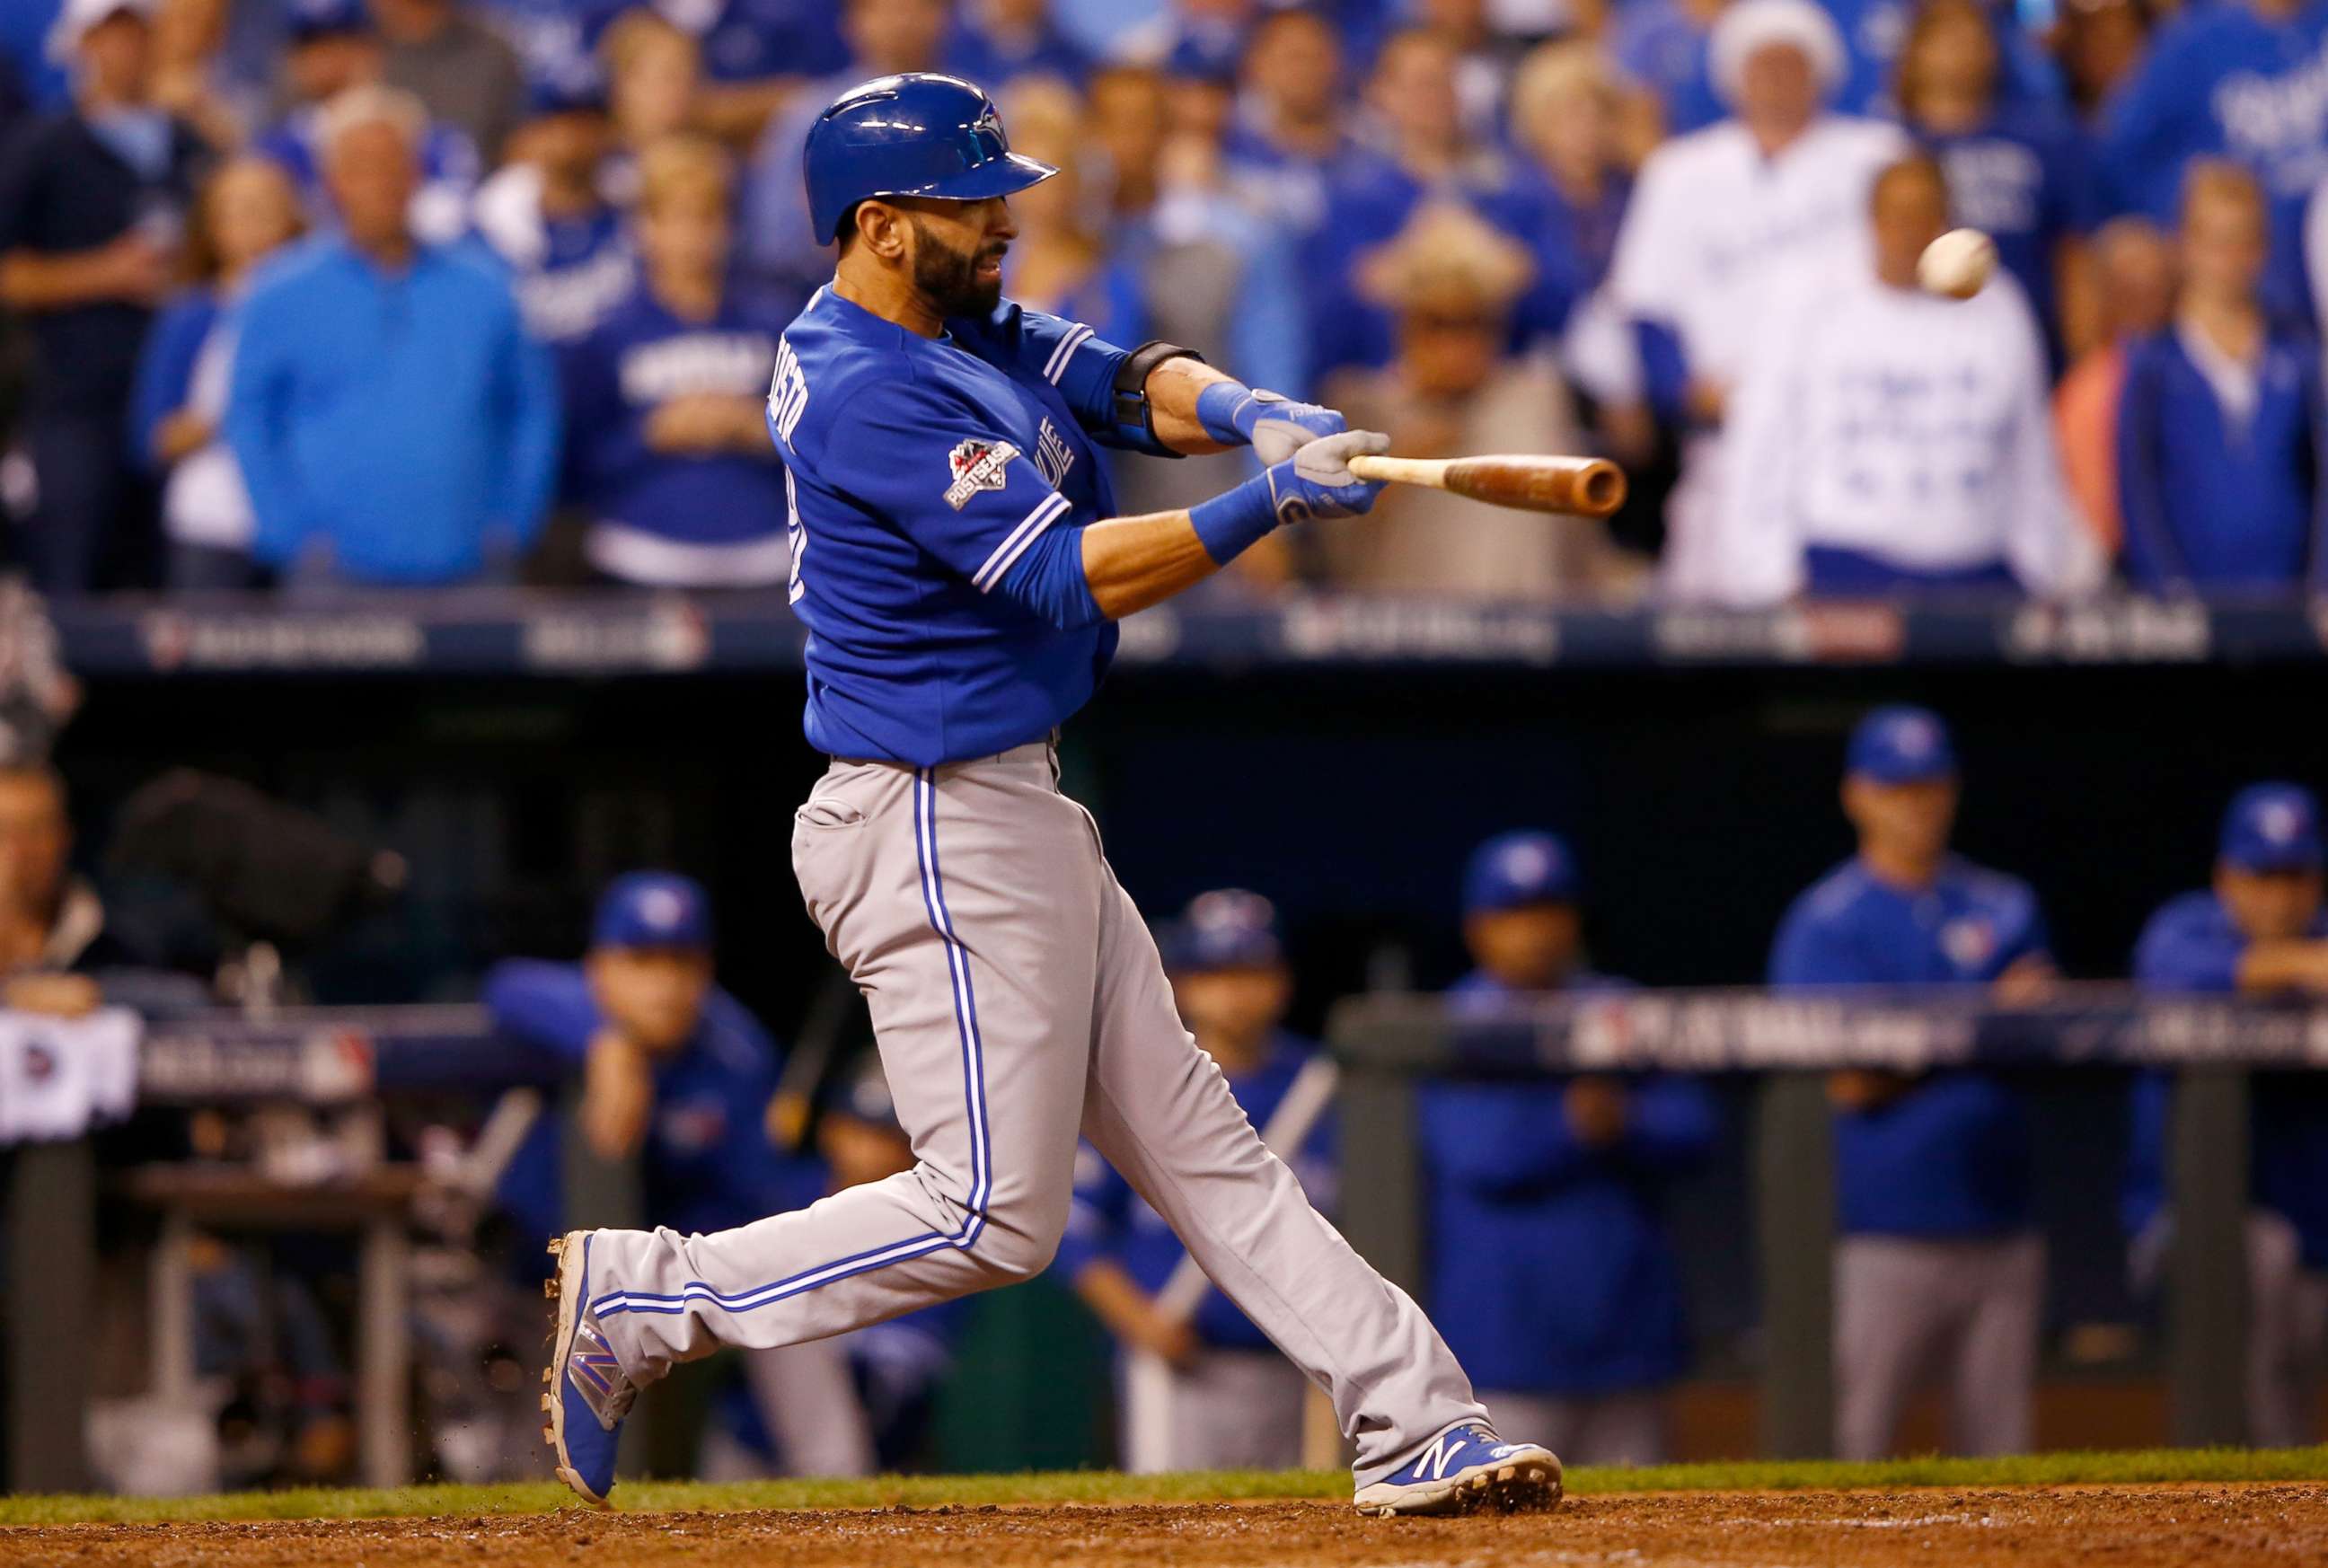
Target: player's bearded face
{"type": "Point", "coordinates": [957, 278]}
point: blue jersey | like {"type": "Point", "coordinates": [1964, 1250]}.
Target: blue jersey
{"type": "Point", "coordinates": [2190, 945]}
{"type": "Point", "coordinates": [2221, 81]}
{"type": "Point", "coordinates": [2021, 178]}
{"type": "Point", "coordinates": [630, 364]}
{"type": "Point", "coordinates": [1549, 1270]}
{"type": "Point", "coordinates": [1658, 44]}
{"type": "Point", "coordinates": [1108, 1221]}
{"type": "Point", "coordinates": [708, 1163]}
{"type": "Point", "coordinates": [1874, 30]}
{"type": "Point", "coordinates": [938, 489]}
{"type": "Point", "coordinates": [1370, 195]}
{"type": "Point", "coordinates": [2215, 497]}
{"type": "Point", "coordinates": [1950, 1155]}
{"type": "Point", "coordinates": [1267, 177]}
{"type": "Point", "coordinates": [572, 274]}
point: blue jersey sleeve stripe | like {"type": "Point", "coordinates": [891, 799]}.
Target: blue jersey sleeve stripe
{"type": "Point", "coordinates": [1057, 365]}
{"type": "Point", "coordinates": [1049, 511]}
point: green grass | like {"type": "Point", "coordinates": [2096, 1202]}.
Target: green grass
{"type": "Point", "coordinates": [2130, 1467]}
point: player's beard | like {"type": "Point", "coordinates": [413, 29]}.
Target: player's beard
{"type": "Point", "coordinates": [948, 278]}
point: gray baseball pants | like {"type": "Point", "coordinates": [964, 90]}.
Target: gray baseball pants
{"type": "Point", "coordinates": [1017, 999]}
{"type": "Point", "coordinates": [1232, 1410]}
{"type": "Point", "coordinates": [1910, 1311]}
{"type": "Point", "coordinates": [1626, 1427]}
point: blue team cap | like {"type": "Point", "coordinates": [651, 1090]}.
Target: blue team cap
{"type": "Point", "coordinates": [652, 909]}
{"type": "Point", "coordinates": [1512, 870]}
{"type": "Point", "coordinates": [2272, 827]}
{"type": "Point", "coordinates": [321, 18]}
{"type": "Point", "coordinates": [1227, 929]}
{"type": "Point", "coordinates": [1901, 745]}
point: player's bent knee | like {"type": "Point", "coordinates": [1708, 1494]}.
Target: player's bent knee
{"type": "Point", "coordinates": [1015, 1247]}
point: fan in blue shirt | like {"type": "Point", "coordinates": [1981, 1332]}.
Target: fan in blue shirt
{"type": "Point", "coordinates": [1551, 1275]}
{"type": "Point", "coordinates": [357, 354]}
{"type": "Point", "coordinates": [1286, 135]}
{"type": "Point", "coordinates": [2260, 931]}
{"type": "Point", "coordinates": [1370, 195]}
{"type": "Point", "coordinates": [1875, 33]}
{"type": "Point", "coordinates": [551, 216]}
{"type": "Point", "coordinates": [1931, 1173]}
{"type": "Point", "coordinates": [2015, 170]}
{"type": "Point", "coordinates": [673, 1066]}
{"type": "Point", "coordinates": [665, 399]}
{"type": "Point", "coordinates": [2239, 81]}
{"type": "Point", "coordinates": [2222, 421]}
{"type": "Point", "coordinates": [1233, 1402]}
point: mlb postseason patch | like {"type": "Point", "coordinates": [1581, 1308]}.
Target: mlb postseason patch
{"type": "Point", "coordinates": [976, 466]}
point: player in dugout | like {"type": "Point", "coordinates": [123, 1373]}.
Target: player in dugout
{"type": "Point", "coordinates": [1549, 1270]}
{"type": "Point", "coordinates": [960, 564]}
{"type": "Point", "coordinates": [1936, 1263]}
{"type": "Point", "coordinates": [674, 1070]}
{"type": "Point", "coordinates": [1231, 1401]}
{"type": "Point", "coordinates": [2259, 931]}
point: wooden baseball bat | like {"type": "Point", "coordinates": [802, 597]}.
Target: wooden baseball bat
{"type": "Point", "coordinates": [1585, 486]}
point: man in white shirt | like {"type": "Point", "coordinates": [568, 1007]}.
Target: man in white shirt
{"type": "Point", "coordinates": [1722, 216]}
{"type": "Point", "coordinates": [1884, 439]}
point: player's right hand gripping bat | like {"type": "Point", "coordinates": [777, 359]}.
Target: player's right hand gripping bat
{"type": "Point", "coordinates": [1583, 486]}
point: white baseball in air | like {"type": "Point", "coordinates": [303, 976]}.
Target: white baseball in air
{"type": "Point", "coordinates": [1958, 263]}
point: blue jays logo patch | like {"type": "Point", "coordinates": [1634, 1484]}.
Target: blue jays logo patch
{"type": "Point", "coordinates": [1969, 942]}
{"type": "Point", "coordinates": [976, 466]}
{"type": "Point", "coordinates": [1052, 455]}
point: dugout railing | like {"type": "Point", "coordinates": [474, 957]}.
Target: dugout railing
{"type": "Point", "coordinates": [1388, 1044]}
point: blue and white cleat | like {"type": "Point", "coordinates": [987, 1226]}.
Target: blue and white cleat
{"type": "Point", "coordinates": [1464, 1469]}
{"type": "Point", "coordinates": [587, 1396]}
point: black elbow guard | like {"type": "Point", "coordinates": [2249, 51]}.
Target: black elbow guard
{"type": "Point", "coordinates": [1134, 419]}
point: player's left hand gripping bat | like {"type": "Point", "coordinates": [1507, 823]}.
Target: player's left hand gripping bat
{"type": "Point", "coordinates": [1582, 487]}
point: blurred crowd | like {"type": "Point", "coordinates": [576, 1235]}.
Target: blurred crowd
{"type": "Point", "coordinates": [426, 292]}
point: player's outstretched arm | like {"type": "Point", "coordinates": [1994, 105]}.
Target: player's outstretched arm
{"type": "Point", "coordinates": [1130, 563]}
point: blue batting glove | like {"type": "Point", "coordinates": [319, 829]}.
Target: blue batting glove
{"type": "Point", "coordinates": [1274, 426]}
{"type": "Point", "coordinates": [1315, 481]}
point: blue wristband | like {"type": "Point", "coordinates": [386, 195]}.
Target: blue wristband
{"type": "Point", "coordinates": [1221, 406]}
{"type": "Point", "coordinates": [1228, 524]}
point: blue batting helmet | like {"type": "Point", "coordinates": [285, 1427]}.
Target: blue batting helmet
{"type": "Point", "coordinates": [917, 134]}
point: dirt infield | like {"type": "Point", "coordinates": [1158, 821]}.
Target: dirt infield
{"type": "Point", "coordinates": [2034, 1527]}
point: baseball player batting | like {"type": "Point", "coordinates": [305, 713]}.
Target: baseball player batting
{"type": "Point", "coordinates": [959, 569]}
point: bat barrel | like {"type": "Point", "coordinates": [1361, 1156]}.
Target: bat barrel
{"type": "Point", "coordinates": [1587, 486]}
{"type": "Point", "coordinates": [1582, 486]}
